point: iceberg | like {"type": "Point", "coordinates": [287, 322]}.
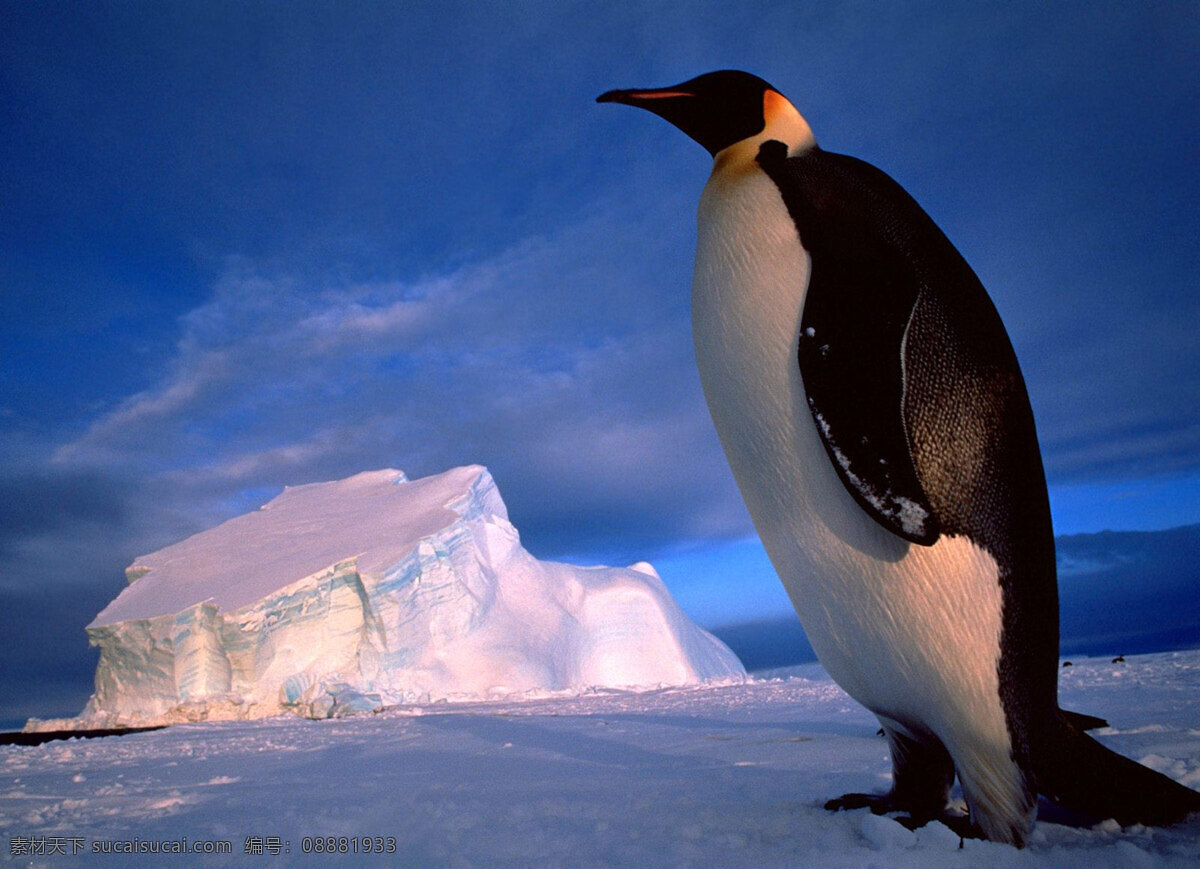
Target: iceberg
{"type": "Point", "coordinates": [373, 591]}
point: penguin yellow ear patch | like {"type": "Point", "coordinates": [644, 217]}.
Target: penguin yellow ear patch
{"type": "Point", "coordinates": [781, 121]}
{"type": "Point", "coordinates": [774, 104]}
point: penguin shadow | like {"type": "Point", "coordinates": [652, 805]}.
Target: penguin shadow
{"type": "Point", "coordinates": [1052, 813]}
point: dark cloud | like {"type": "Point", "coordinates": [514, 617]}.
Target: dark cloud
{"type": "Point", "coordinates": [1112, 394]}
{"type": "Point", "coordinates": [64, 540]}
{"type": "Point", "coordinates": [47, 667]}
{"type": "Point", "coordinates": [39, 502]}
{"type": "Point", "coordinates": [1129, 592]}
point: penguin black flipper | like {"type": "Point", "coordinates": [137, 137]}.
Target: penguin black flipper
{"type": "Point", "coordinates": [924, 366]}
{"type": "Point", "coordinates": [860, 230]}
{"type": "Point", "coordinates": [854, 382]}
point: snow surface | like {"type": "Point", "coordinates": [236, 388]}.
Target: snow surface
{"type": "Point", "coordinates": [342, 597]}
{"type": "Point", "coordinates": [305, 530]}
{"type": "Point", "coordinates": [729, 775]}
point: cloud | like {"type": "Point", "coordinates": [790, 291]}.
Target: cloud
{"type": "Point", "coordinates": [1112, 391]}
{"type": "Point", "coordinates": [39, 503]}
{"type": "Point", "coordinates": [562, 363]}
{"type": "Point", "coordinates": [47, 667]}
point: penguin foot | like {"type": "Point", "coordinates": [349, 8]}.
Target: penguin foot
{"type": "Point", "coordinates": [886, 804]}
{"type": "Point", "coordinates": [879, 804]}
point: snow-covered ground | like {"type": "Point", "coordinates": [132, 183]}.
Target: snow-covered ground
{"type": "Point", "coordinates": [726, 775]}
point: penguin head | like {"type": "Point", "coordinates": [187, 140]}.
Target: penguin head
{"type": "Point", "coordinates": [719, 109]}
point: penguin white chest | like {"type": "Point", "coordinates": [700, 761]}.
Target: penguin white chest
{"type": "Point", "coordinates": [903, 628]}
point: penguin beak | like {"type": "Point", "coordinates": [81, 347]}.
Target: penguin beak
{"type": "Point", "coordinates": [680, 105]}
{"type": "Point", "coordinates": [644, 98]}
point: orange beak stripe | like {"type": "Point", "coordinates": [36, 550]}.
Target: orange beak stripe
{"type": "Point", "coordinates": [658, 95]}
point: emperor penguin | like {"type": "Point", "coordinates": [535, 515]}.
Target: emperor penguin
{"type": "Point", "coordinates": [870, 405]}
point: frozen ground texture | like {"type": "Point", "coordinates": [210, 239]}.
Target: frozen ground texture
{"type": "Point", "coordinates": [372, 591]}
{"type": "Point", "coordinates": [712, 775]}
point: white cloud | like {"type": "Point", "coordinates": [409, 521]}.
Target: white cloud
{"type": "Point", "coordinates": [563, 363]}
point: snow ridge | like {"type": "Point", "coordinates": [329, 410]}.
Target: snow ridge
{"type": "Point", "coordinates": [374, 591]}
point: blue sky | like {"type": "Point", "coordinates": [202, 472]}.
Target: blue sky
{"type": "Point", "coordinates": [247, 245]}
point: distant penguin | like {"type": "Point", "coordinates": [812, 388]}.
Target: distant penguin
{"type": "Point", "coordinates": [871, 407]}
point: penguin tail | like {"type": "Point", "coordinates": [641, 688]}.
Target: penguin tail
{"type": "Point", "coordinates": [1083, 776]}
{"type": "Point", "coordinates": [1082, 721]}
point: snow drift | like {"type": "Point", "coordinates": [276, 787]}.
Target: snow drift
{"type": "Point", "coordinates": [374, 591]}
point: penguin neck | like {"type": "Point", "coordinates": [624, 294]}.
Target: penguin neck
{"type": "Point", "coordinates": [783, 123]}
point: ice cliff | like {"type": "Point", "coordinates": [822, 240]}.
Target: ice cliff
{"type": "Point", "coordinates": [374, 591]}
